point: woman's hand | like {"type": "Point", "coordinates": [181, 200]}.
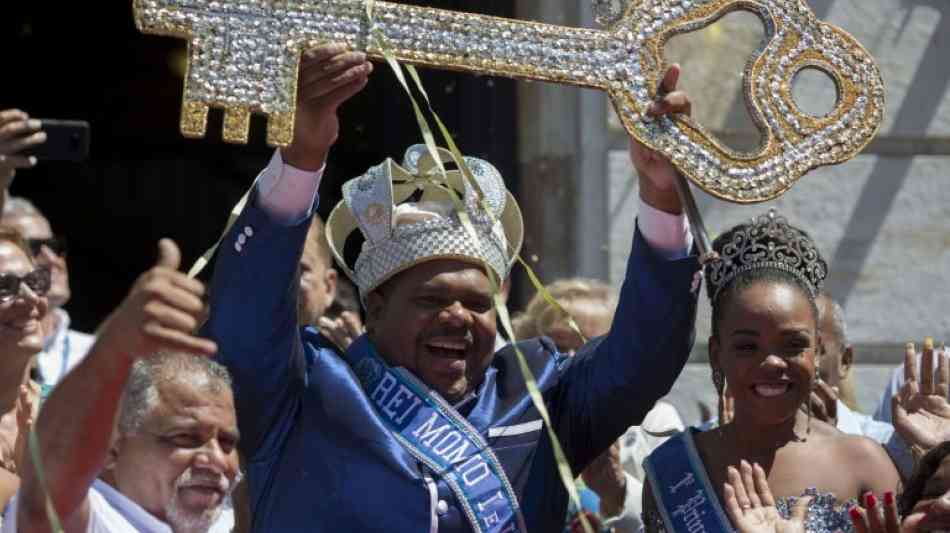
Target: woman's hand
{"type": "Point", "coordinates": [751, 507]}
{"type": "Point", "coordinates": [921, 410]}
{"type": "Point", "coordinates": [874, 518]}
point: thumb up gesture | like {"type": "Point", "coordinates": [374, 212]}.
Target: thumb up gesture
{"type": "Point", "coordinates": [161, 312]}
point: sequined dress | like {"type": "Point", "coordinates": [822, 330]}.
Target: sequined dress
{"type": "Point", "coordinates": [825, 514]}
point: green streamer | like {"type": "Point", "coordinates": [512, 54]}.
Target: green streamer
{"type": "Point", "coordinates": [51, 515]}
{"type": "Point", "coordinates": [563, 466]}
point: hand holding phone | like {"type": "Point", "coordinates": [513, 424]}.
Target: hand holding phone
{"type": "Point", "coordinates": [18, 132]}
{"type": "Point", "coordinates": [66, 140]}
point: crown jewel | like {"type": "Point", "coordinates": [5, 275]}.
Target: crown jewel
{"type": "Point", "coordinates": [767, 241]}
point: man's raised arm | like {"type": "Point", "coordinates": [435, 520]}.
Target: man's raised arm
{"type": "Point", "coordinates": [254, 289]}
{"type": "Point", "coordinates": [613, 382]}
{"type": "Point", "coordinates": [75, 424]}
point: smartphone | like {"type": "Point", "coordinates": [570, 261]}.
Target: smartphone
{"type": "Point", "coordinates": [66, 140]}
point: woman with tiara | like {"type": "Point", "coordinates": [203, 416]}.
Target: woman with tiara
{"type": "Point", "coordinates": [764, 343]}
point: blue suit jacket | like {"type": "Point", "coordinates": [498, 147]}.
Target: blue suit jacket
{"type": "Point", "coordinates": [318, 458]}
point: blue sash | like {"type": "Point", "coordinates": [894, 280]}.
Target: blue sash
{"type": "Point", "coordinates": [438, 436]}
{"type": "Point", "coordinates": [682, 491]}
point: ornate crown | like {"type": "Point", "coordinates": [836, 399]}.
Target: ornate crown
{"type": "Point", "coordinates": [408, 216]}
{"type": "Point", "coordinates": [767, 241]}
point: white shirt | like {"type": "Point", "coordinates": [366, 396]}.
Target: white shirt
{"type": "Point", "coordinates": [662, 422]}
{"type": "Point", "coordinates": [286, 192]}
{"type": "Point", "coordinates": [109, 512]}
{"type": "Point", "coordinates": [854, 423]}
{"type": "Point", "coordinates": [64, 349]}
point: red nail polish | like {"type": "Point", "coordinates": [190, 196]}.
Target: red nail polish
{"type": "Point", "coordinates": [872, 501]}
{"type": "Point", "coordinates": [889, 498]}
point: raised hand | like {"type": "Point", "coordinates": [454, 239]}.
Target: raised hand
{"type": "Point", "coordinates": [874, 518]}
{"type": "Point", "coordinates": [920, 409]}
{"type": "Point", "coordinates": [17, 133]}
{"type": "Point", "coordinates": [161, 312]}
{"type": "Point", "coordinates": [343, 330]}
{"type": "Point", "coordinates": [657, 174]}
{"type": "Point", "coordinates": [751, 506]}
{"type": "Point", "coordinates": [823, 402]}
{"type": "Point", "coordinates": [329, 75]}
{"type": "Point", "coordinates": [605, 476]}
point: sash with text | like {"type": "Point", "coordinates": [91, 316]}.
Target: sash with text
{"type": "Point", "coordinates": [438, 436]}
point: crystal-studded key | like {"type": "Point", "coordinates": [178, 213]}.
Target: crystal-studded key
{"type": "Point", "coordinates": [244, 56]}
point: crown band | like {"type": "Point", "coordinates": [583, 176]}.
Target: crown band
{"type": "Point", "coordinates": [766, 242]}
{"type": "Point", "coordinates": [407, 218]}
{"type": "Point", "coordinates": [775, 265]}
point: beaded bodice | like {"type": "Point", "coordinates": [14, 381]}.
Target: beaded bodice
{"type": "Point", "coordinates": [825, 514]}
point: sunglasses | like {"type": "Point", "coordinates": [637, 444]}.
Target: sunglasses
{"type": "Point", "coordinates": [57, 245]}
{"type": "Point", "coordinates": [38, 281]}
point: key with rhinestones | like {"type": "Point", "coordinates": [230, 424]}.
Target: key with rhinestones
{"type": "Point", "coordinates": [244, 56]}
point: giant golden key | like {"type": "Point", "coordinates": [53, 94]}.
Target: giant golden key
{"type": "Point", "coordinates": [244, 57]}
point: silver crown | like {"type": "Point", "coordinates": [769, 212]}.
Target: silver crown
{"type": "Point", "coordinates": [372, 204]}
{"type": "Point", "coordinates": [767, 241]}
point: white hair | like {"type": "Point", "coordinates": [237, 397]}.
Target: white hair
{"type": "Point", "coordinates": [141, 391]}
{"type": "Point", "coordinates": [183, 521]}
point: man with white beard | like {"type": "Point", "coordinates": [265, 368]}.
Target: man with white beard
{"type": "Point", "coordinates": [173, 458]}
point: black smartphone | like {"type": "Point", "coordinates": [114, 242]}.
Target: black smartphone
{"type": "Point", "coordinates": [66, 140]}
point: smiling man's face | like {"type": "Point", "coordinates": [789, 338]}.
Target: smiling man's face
{"type": "Point", "coordinates": [182, 461]}
{"type": "Point", "coordinates": [437, 320]}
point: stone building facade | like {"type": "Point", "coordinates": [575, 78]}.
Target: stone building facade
{"type": "Point", "coordinates": [882, 219]}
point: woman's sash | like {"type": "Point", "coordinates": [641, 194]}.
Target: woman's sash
{"type": "Point", "coordinates": [438, 436]}
{"type": "Point", "coordinates": [683, 494]}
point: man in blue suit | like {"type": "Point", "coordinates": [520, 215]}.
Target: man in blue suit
{"type": "Point", "coordinates": [419, 426]}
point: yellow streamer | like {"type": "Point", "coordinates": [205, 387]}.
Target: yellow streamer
{"type": "Point", "coordinates": [51, 515]}
{"type": "Point", "coordinates": [236, 211]}
{"type": "Point", "coordinates": [563, 466]}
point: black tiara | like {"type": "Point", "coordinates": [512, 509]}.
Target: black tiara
{"type": "Point", "coordinates": [768, 241]}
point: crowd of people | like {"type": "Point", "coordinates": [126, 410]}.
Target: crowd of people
{"type": "Point", "coordinates": [351, 374]}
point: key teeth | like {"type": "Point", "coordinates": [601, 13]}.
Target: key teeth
{"type": "Point", "coordinates": [280, 129]}
{"type": "Point", "coordinates": [194, 119]}
{"type": "Point", "coordinates": [237, 124]}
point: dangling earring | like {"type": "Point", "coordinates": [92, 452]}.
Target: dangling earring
{"type": "Point", "coordinates": [719, 381]}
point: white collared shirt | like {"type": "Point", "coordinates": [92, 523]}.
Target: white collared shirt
{"type": "Point", "coordinates": [660, 423]}
{"type": "Point", "coordinates": [64, 349]}
{"type": "Point", "coordinates": [861, 424]}
{"type": "Point", "coordinates": [109, 512]}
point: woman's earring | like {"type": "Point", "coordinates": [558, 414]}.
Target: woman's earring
{"type": "Point", "coordinates": [719, 381]}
